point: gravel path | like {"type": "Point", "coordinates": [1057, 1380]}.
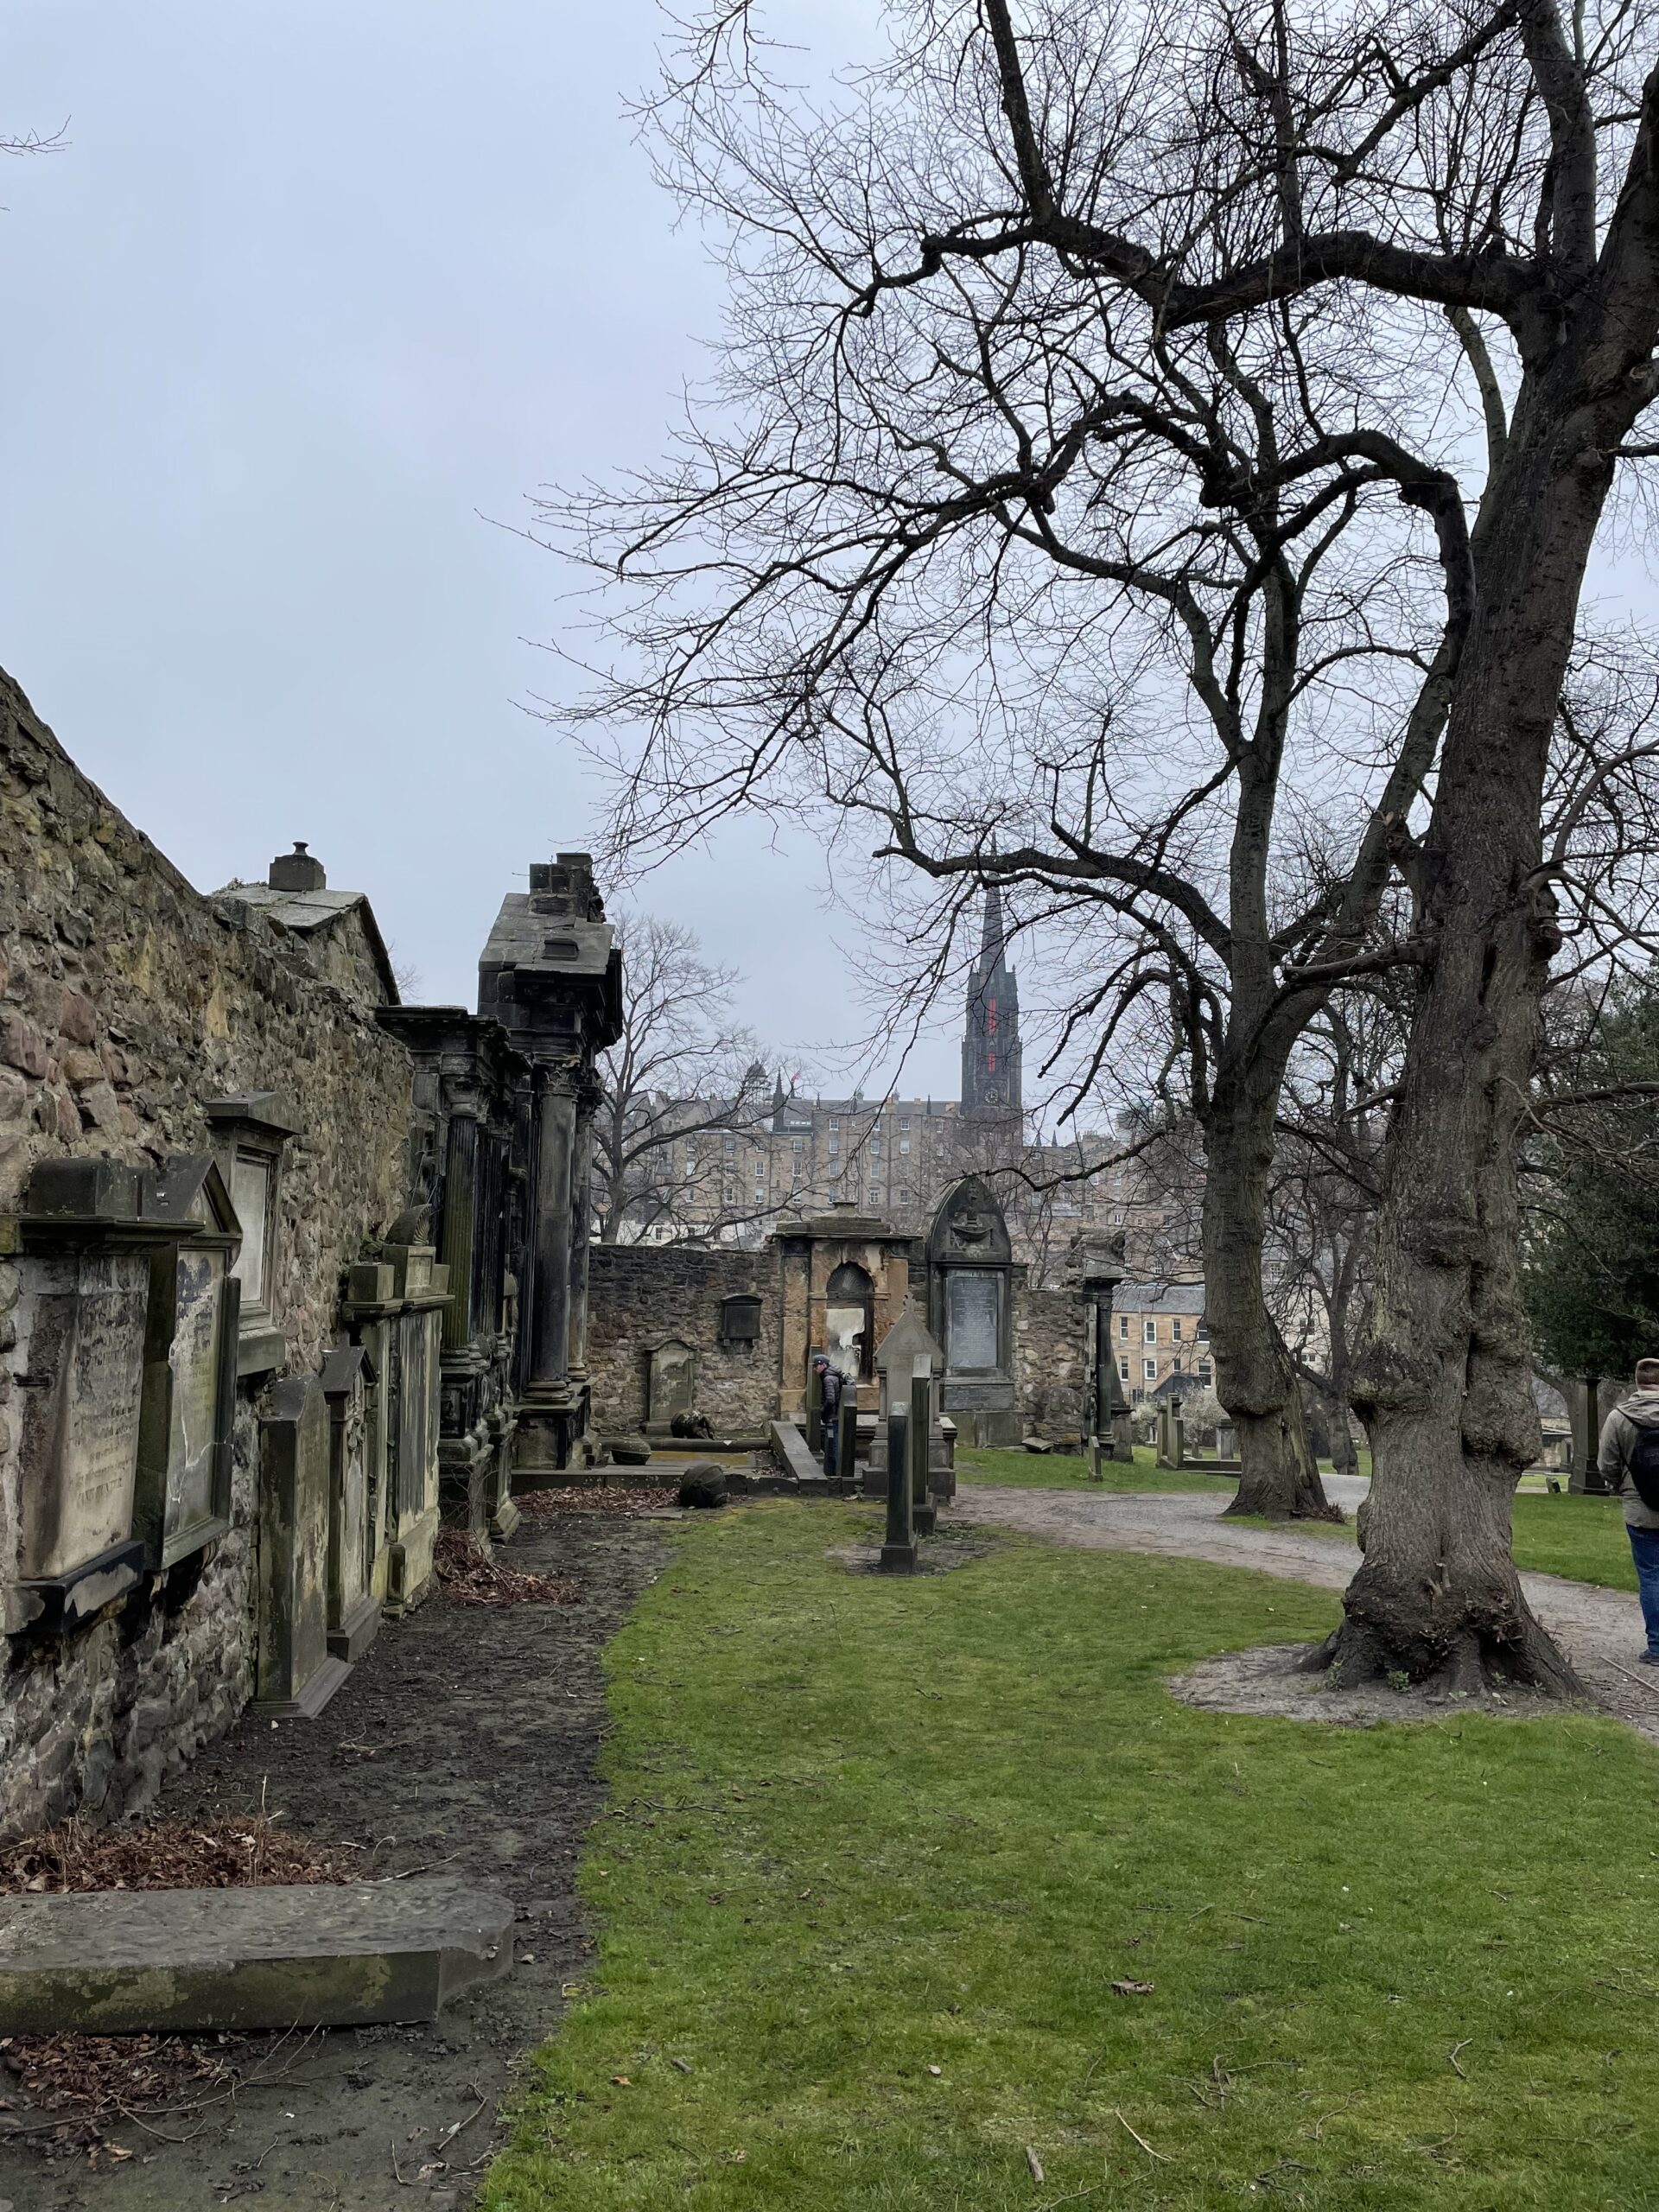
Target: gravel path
{"type": "Point", "coordinates": [1600, 1631]}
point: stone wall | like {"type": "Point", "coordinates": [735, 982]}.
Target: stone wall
{"type": "Point", "coordinates": [640, 1296]}
{"type": "Point", "coordinates": [127, 1002]}
{"type": "Point", "coordinates": [1050, 1349]}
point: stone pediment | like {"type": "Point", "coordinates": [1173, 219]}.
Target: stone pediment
{"type": "Point", "coordinates": [968, 1229]}
{"type": "Point", "coordinates": [908, 1340]}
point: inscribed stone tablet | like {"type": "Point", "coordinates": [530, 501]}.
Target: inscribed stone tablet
{"type": "Point", "coordinates": [193, 1359]}
{"type": "Point", "coordinates": [670, 1382]}
{"type": "Point", "coordinates": [971, 1309]}
{"type": "Point", "coordinates": [250, 1196]}
{"type": "Point", "coordinates": [84, 1323]}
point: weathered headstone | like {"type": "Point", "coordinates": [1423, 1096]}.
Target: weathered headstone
{"type": "Point", "coordinates": [671, 1383]}
{"type": "Point", "coordinates": [898, 1548]}
{"type": "Point", "coordinates": [969, 1266]}
{"type": "Point", "coordinates": [924, 1513]}
{"type": "Point", "coordinates": [297, 1672]}
{"type": "Point", "coordinates": [80, 1320]}
{"type": "Point", "coordinates": [354, 1610]}
{"type": "Point", "coordinates": [182, 1499]}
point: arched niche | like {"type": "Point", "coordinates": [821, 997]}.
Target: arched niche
{"type": "Point", "coordinates": [849, 1320]}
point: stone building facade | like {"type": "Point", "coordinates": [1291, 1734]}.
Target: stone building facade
{"type": "Point", "coordinates": [282, 1264]}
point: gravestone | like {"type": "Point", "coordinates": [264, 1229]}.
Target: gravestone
{"type": "Point", "coordinates": [353, 1610]}
{"type": "Point", "coordinates": [907, 1350]}
{"type": "Point", "coordinates": [969, 1274]}
{"type": "Point", "coordinates": [670, 1383]}
{"type": "Point", "coordinates": [297, 1673]}
{"type": "Point", "coordinates": [182, 1499]}
{"type": "Point", "coordinates": [922, 1508]}
{"type": "Point", "coordinates": [899, 1548]}
{"type": "Point", "coordinates": [82, 1319]}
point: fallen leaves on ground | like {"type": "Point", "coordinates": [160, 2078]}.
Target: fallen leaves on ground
{"type": "Point", "coordinates": [467, 1573]}
{"type": "Point", "coordinates": [226, 1854]}
{"type": "Point", "coordinates": [1133, 1988]}
{"type": "Point", "coordinates": [599, 1498]}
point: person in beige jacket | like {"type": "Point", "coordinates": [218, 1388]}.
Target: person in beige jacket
{"type": "Point", "coordinates": [1629, 1460]}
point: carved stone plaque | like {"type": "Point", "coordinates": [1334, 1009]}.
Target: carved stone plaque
{"type": "Point", "coordinates": [82, 1330]}
{"type": "Point", "coordinates": [672, 1368]}
{"type": "Point", "coordinates": [195, 1358]}
{"type": "Point", "coordinates": [971, 1318]}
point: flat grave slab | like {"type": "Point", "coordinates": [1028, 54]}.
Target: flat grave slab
{"type": "Point", "coordinates": [125, 1962]}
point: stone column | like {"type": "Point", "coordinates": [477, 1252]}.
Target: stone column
{"type": "Point", "coordinates": [581, 1227]}
{"type": "Point", "coordinates": [547, 1411]}
{"type": "Point", "coordinates": [555, 1138]}
{"type": "Point", "coordinates": [460, 1212]}
{"type": "Point", "coordinates": [899, 1552]}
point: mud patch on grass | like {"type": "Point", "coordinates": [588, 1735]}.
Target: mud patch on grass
{"type": "Point", "coordinates": [1270, 1680]}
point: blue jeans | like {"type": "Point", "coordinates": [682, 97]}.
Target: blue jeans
{"type": "Point", "coordinates": [1644, 1547]}
{"type": "Point", "coordinates": [831, 1428]}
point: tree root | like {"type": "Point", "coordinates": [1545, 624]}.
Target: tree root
{"type": "Point", "coordinates": [1467, 1659]}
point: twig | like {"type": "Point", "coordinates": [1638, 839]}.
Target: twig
{"type": "Point", "coordinates": [1641, 1681]}
{"type": "Point", "coordinates": [161, 2133]}
{"type": "Point", "coordinates": [1072, 2199]}
{"type": "Point", "coordinates": [1451, 2057]}
{"type": "Point", "coordinates": [397, 2172]}
{"type": "Point", "coordinates": [1161, 2157]}
{"type": "Point", "coordinates": [450, 2133]}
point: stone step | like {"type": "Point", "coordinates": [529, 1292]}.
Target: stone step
{"type": "Point", "coordinates": [125, 1962]}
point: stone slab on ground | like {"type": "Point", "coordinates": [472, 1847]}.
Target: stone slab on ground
{"type": "Point", "coordinates": [125, 1962]}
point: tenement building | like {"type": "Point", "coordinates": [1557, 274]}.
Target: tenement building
{"type": "Point", "coordinates": [897, 1156]}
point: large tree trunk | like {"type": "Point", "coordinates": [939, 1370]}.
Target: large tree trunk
{"type": "Point", "coordinates": [1256, 1377]}
{"type": "Point", "coordinates": [1444, 1385]}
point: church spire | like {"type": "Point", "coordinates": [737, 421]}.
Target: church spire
{"type": "Point", "coordinates": [992, 942]}
{"type": "Point", "coordinates": [991, 1044]}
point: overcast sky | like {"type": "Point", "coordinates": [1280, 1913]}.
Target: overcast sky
{"type": "Point", "coordinates": [315, 294]}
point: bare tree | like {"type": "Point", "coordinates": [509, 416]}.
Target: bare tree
{"type": "Point", "coordinates": [681, 1081]}
{"type": "Point", "coordinates": [1453, 210]}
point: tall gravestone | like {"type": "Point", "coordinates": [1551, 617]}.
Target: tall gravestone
{"type": "Point", "coordinates": [969, 1279]}
{"type": "Point", "coordinates": [394, 1309]}
{"type": "Point", "coordinates": [182, 1497]}
{"type": "Point", "coordinates": [353, 1533]}
{"type": "Point", "coordinates": [296, 1673]}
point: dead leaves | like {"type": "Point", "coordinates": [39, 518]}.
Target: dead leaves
{"type": "Point", "coordinates": [468, 1573]}
{"type": "Point", "coordinates": [1127, 1988]}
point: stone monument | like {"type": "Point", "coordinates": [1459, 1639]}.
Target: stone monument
{"type": "Point", "coordinates": [552, 978]}
{"type": "Point", "coordinates": [970, 1283]}
{"type": "Point", "coordinates": [183, 1497]}
{"type": "Point", "coordinates": [80, 1319]}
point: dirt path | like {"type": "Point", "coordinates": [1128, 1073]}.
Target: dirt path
{"type": "Point", "coordinates": [1600, 1631]}
{"type": "Point", "coordinates": [465, 1739]}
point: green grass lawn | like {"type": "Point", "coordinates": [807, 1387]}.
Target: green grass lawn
{"type": "Point", "coordinates": [1063, 1471]}
{"type": "Point", "coordinates": [878, 1850]}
